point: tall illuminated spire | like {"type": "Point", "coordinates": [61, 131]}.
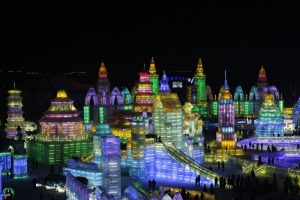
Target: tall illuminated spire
{"type": "Point", "coordinates": [152, 69]}
{"type": "Point", "coordinates": [199, 67]}
{"type": "Point", "coordinates": [226, 87]}
{"type": "Point", "coordinates": [200, 83]}
{"type": "Point", "coordinates": [102, 71]}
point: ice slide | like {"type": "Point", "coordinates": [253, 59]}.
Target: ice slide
{"type": "Point", "coordinates": [186, 160]}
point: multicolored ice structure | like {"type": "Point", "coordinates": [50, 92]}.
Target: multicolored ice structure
{"type": "Point", "coordinates": [246, 105]}
{"type": "Point", "coordinates": [15, 117]}
{"type": "Point", "coordinates": [61, 133]}
{"type": "Point", "coordinates": [100, 105]}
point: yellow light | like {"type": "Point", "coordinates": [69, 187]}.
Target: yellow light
{"type": "Point", "coordinates": [61, 94]}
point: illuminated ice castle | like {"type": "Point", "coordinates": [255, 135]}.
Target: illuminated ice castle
{"type": "Point", "coordinates": [100, 105]}
{"type": "Point", "coordinates": [61, 133]}
{"type": "Point", "coordinates": [201, 96]}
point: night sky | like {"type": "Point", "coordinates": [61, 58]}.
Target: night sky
{"type": "Point", "coordinates": [236, 37]}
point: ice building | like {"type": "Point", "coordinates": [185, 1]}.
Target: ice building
{"type": "Point", "coordinates": [167, 118]}
{"type": "Point", "coordinates": [102, 168]}
{"type": "Point", "coordinates": [20, 166]}
{"type": "Point", "coordinates": [270, 122]}
{"type": "Point", "coordinates": [61, 133]}
{"type": "Point", "coordinates": [154, 77]}
{"type": "Point", "coordinates": [200, 83]}
{"type": "Point", "coordinates": [138, 133]}
{"type": "Point", "coordinates": [100, 103]}
{"type": "Point", "coordinates": [164, 85]}
{"type": "Point", "coordinates": [296, 113]}
{"type": "Point", "coordinates": [246, 105]}
{"type": "Point", "coordinates": [144, 96]}
{"type": "Point", "coordinates": [226, 136]}
{"type": "Point", "coordinates": [193, 137]}
{"type": "Point", "coordinates": [14, 114]}
{"type": "Point", "coordinates": [111, 163]}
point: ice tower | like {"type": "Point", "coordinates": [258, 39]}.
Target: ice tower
{"type": "Point", "coordinates": [14, 113]}
{"type": "Point", "coordinates": [103, 85]}
{"type": "Point", "coordinates": [164, 85]}
{"type": "Point", "coordinates": [167, 118]}
{"type": "Point", "coordinates": [138, 132]}
{"type": "Point", "coordinates": [226, 136]}
{"type": "Point", "coordinates": [262, 82]}
{"type": "Point", "coordinates": [270, 122]}
{"type": "Point", "coordinates": [153, 77]}
{"type": "Point", "coordinates": [144, 97]}
{"type": "Point", "coordinates": [111, 165]}
{"type": "Point", "coordinates": [200, 82]}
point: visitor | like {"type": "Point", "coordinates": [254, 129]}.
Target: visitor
{"type": "Point", "coordinates": [202, 196]}
{"type": "Point", "coordinates": [197, 180]}
{"type": "Point", "coordinates": [196, 197]}
{"type": "Point", "coordinates": [153, 184]}
{"type": "Point", "coordinates": [150, 185]}
{"type": "Point", "coordinates": [223, 165]}
{"type": "Point", "coordinates": [216, 182]}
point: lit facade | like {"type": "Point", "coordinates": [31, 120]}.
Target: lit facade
{"type": "Point", "coordinates": [14, 114]}
{"type": "Point", "coordinates": [193, 137]}
{"type": "Point", "coordinates": [111, 165]}
{"type": "Point", "coordinates": [61, 134]}
{"type": "Point", "coordinates": [167, 118]}
{"type": "Point", "coordinates": [144, 97]}
{"type": "Point", "coordinates": [20, 166]}
{"type": "Point", "coordinates": [164, 85]}
{"type": "Point", "coordinates": [296, 113]}
{"type": "Point", "coordinates": [100, 103]}
{"type": "Point", "coordinates": [138, 133]}
{"type": "Point", "coordinates": [200, 83]}
{"type": "Point", "coordinates": [226, 136]}
{"type": "Point", "coordinates": [154, 77]}
{"type": "Point", "coordinates": [270, 122]}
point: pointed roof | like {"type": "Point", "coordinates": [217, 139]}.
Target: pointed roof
{"type": "Point", "coordinates": [152, 69]}
{"type": "Point", "coordinates": [226, 87]}
{"type": "Point", "coordinates": [164, 85]}
{"type": "Point", "coordinates": [199, 67]}
{"type": "Point", "coordinates": [262, 75]}
{"type": "Point", "coordinates": [102, 71]}
{"type": "Point", "coordinates": [226, 94]}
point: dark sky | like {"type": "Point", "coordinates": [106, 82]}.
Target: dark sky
{"type": "Point", "coordinates": [237, 37]}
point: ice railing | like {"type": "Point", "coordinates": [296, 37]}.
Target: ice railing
{"type": "Point", "coordinates": [62, 138]}
{"type": "Point", "coordinates": [187, 160]}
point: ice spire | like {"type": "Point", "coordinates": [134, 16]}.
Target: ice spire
{"type": "Point", "coordinates": [226, 87]}
{"type": "Point", "coordinates": [199, 67]}
{"type": "Point", "coordinates": [152, 69]}
{"type": "Point", "coordinates": [102, 70]}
